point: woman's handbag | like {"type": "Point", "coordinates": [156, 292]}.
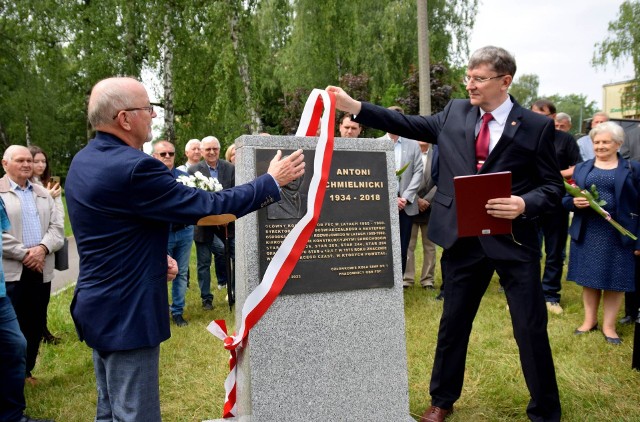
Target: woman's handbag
{"type": "Point", "coordinates": [62, 257]}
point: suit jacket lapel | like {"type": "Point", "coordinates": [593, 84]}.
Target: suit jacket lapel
{"type": "Point", "coordinates": [621, 174]}
{"type": "Point", "coordinates": [204, 169]}
{"type": "Point", "coordinates": [469, 147]}
{"type": "Point", "coordinates": [511, 126]}
{"type": "Point", "coordinates": [581, 177]}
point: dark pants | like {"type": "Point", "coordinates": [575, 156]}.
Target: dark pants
{"type": "Point", "coordinates": [13, 349]}
{"type": "Point", "coordinates": [632, 299]}
{"type": "Point", "coordinates": [554, 229]}
{"type": "Point", "coordinates": [220, 257]}
{"type": "Point", "coordinates": [468, 273]}
{"type": "Point", "coordinates": [406, 223]}
{"type": "Point", "coordinates": [30, 298]}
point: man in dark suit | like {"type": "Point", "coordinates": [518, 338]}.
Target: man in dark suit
{"type": "Point", "coordinates": [554, 224]}
{"type": "Point", "coordinates": [210, 239]}
{"type": "Point", "coordinates": [121, 202]}
{"type": "Point", "coordinates": [521, 142]}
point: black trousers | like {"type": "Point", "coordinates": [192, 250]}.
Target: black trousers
{"type": "Point", "coordinates": [406, 223]}
{"type": "Point", "coordinates": [30, 298]}
{"type": "Point", "coordinates": [555, 228]}
{"type": "Point", "coordinates": [468, 272]}
{"type": "Point", "coordinates": [632, 299]}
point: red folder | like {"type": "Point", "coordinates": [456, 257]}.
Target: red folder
{"type": "Point", "coordinates": [472, 194]}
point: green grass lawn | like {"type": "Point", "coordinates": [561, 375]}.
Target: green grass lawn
{"type": "Point", "coordinates": [595, 379]}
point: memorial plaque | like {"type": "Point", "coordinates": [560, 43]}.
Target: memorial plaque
{"type": "Point", "coordinates": [351, 245]}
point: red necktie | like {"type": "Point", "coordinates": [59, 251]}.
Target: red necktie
{"type": "Point", "coordinates": [482, 142]}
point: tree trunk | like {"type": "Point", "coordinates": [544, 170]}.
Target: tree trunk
{"type": "Point", "coordinates": [3, 138]}
{"type": "Point", "coordinates": [27, 130]}
{"type": "Point", "coordinates": [424, 68]}
{"type": "Point", "coordinates": [167, 61]}
{"type": "Point", "coordinates": [255, 125]}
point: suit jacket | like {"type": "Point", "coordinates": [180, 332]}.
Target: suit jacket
{"type": "Point", "coordinates": [410, 179]}
{"type": "Point", "coordinates": [51, 227]}
{"type": "Point", "coordinates": [631, 147]}
{"type": "Point", "coordinates": [120, 202]}
{"type": "Point", "coordinates": [525, 149]}
{"type": "Point", "coordinates": [427, 189]}
{"type": "Point", "coordinates": [627, 194]}
{"type": "Point", "coordinates": [227, 178]}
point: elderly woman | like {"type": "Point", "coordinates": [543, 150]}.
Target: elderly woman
{"type": "Point", "coordinates": [602, 259]}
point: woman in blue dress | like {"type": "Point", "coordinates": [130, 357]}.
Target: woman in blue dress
{"type": "Point", "coordinates": [601, 258]}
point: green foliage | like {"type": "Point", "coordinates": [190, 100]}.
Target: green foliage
{"type": "Point", "coordinates": [525, 89]}
{"type": "Point", "coordinates": [575, 105]}
{"type": "Point", "coordinates": [230, 59]}
{"type": "Point", "coordinates": [623, 42]}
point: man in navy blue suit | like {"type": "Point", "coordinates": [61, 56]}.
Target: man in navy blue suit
{"type": "Point", "coordinates": [121, 202]}
{"type": "Point", "coordinates": [521, 142]}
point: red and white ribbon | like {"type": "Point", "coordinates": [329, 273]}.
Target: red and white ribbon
{"type": "Point", "coordinates": [286, 257]}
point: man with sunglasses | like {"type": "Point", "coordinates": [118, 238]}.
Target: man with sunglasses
{"type": "Point", "coordinates": [121, 202]}
{"type": "Point", "coordinates": [210, 239]}
{"type": "Point", "coordinates": [488, 133]}
{"type": "Point", "coordinates": [180, 238]}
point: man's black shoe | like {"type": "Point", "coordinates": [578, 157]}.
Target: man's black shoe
{"type": "Point", "coordinates": [207, 305]}
{"type": "Point", "coordinates": [627, 320]}
{"type": "Point", "coordinates": [179, 320]}
{"type": "Point", "coordinates": [440, 296]}
{"type": "Point", "coordinates": [49, 338]}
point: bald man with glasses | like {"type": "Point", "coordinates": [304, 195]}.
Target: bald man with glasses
{"type": "Point", "coordinates": [121, 204]}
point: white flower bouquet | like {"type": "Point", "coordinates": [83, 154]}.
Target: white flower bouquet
{"type": "Point", "coordinates": [200, 181]}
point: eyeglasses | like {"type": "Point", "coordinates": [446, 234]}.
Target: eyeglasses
{"type": "Point", "coordinates": [148, 108]}
{"type": "Point", "coordinates": [211, 149]}
{"type": "Point", "coordinates": [478, 80]}
{"type": "Point", "coordinates": [164, 154]}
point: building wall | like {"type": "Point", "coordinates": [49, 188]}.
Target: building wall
{"type": "Point", "coordinates": [619, 100]}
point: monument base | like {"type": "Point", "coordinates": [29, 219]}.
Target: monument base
{"type": "Point", "coordinates": [332, 346]}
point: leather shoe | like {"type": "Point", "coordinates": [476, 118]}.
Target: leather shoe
{"type": "Point", "coordinates": [628, 319]}
{"type": "Point", "coordinates": [435, 414]}
{"type": "Point", "coordinates": [179, 320]}
{"type": "Point", "coordinates": [26, 418]}
{"type": "Point", "coordinates": [578, 332]}
{"type": "Point", "coordinates": [207, 305]}
{"type": "Point", "coordinates": [49, 338]}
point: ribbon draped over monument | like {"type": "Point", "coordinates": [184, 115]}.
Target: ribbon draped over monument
{"type": "Point", "coordinates": [287, 256]}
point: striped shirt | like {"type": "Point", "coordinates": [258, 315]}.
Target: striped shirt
{"type": "Point", "coordinates": [31, 231]}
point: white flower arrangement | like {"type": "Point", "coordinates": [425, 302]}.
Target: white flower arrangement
{"type": "Point", "coordinates": [200, 181]}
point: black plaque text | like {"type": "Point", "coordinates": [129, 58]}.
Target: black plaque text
{"type": "Point", "coordinates": [351, 246]}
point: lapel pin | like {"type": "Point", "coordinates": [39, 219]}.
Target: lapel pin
{"type": "Point", "coordinates": [513, 123]}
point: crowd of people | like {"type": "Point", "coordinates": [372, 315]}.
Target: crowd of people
{"type": "Point", "coordinates": [120, 304]}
